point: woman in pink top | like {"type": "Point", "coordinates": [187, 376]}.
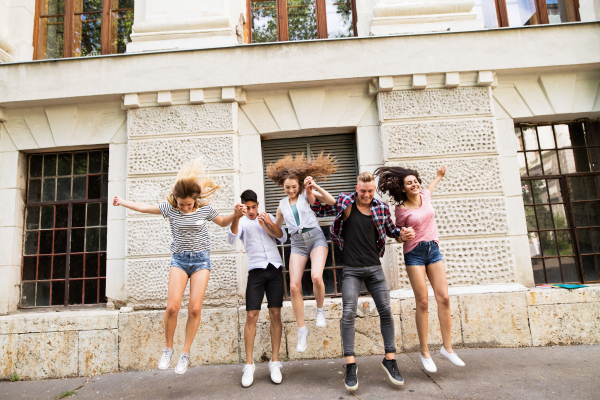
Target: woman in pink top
{"type": "Point", "coordinates": [422, 255]}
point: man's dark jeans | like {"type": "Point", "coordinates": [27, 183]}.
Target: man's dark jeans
{"type": "Point", "coordinates": [378, 289]}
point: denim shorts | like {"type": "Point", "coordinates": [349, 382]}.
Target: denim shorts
{"type": "Point", "coordinates": [425, 253]}
{"type": "Point", "coordinates": [304, 243]}
{"type": "Point", "coordinates": [191, 262]}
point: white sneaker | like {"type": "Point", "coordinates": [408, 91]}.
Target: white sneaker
{"type": "Point", "coordinates": [302, 335]}
{"type": "Point", "coordinates": [321, 321]}
{"type": "Point", "coordinates": [248, 376]}
{"type": "Point", "coordinates": [274, 367]}
{"type": "Point", "coordinates": [182, 365]}
{"type": "Point", "coordinates": [454, 359]}
{"type": "Point", "coordinates": [428, 364]}
{"type": "Point", "coordinates": [165, 360]}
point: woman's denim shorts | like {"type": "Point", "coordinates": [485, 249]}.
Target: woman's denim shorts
{"type": "Point", "coordinates": [305, 243]}
{"type": "Point", "coordinates": [191, 262]}
{"type": "Point", "coordinates": [425, 253]}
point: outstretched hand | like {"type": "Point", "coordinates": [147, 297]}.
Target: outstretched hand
{"type": "Point", "coordinates": [441, 172]}
{"type": "Point", "coordinates": [239, 211]}
{"type": "Point", "coordinates": [118, 201]}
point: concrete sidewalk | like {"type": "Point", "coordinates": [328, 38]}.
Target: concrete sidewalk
{"type": "Point", "coordinates": [525, 373]}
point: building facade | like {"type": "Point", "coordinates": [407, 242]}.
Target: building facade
{"type": "Point", "coordinates": [108, 97]}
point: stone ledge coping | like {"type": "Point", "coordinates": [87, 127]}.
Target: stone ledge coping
{"type": "Point", "coordinates": [460, 290]}
{"type": "Point", "coordinates": [84, 320]}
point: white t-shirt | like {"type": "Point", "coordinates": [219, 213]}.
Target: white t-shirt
{"type": "Point", "coordinates": [189, 230]}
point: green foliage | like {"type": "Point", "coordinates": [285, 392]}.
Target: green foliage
{"type": "Point", "coordinates": [15, 377]}
{"type": "Point", "coordinates": [302, 20]}
{"type": "Point", "coordinates": [64, 395]}
{"type": "Point", "coordinates": [264, 21]}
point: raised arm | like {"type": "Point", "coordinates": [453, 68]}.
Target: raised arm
{"type": "Point", "coordinates": [265, 221]}
{"type": "Point", "coordinates": [322, 195]}
{"type": "Point", "coordinates": [440, 174]}
{"type": "Point", "coordinates": [279, 217]}
{"type": "Point", "coordinates": [226, 221]}
{"type": "Point", "coordinates": [139, 207]}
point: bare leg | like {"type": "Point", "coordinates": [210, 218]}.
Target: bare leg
{"type": "Point", "coordinates": [276, 330]}
{"type": "Point", "coordinates": [250, 334]}
{"type": "Point", "coordinates": [198, 284]}
{"type": "Point", "coordinates": [317, 263]}
{"type": "Point", "coordinates": [297, 264]}
{"type": "Point", "coordinates": [437, 276]}
{"type": "Point", "coordinates": [416, 275]}
{"type": "Point", "coordinates": [177, 282]}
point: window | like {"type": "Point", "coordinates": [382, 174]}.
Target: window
{"type": "Point", "coordinates": [64, 252]}
{"type": "Point", "coordinates": [503, 13]}
{"type": "Point", "coordinates": [560, 180]}
{"type": "Point", "coordinates": [79, 28]}
{"type": "Point", "coordinates": [283, 20]}
{"type": "Point", "coordinates": [343, 148]}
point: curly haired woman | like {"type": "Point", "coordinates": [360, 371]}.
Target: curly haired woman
{"type": "Point", "coordinates": [295, 175]}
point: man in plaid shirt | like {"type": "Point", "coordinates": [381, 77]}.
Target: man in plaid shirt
{"type": "Point", "coordinates": [359, 230]}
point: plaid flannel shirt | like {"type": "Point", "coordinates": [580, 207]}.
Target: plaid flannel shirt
{"type": "Point", "coordinates": [380, 213]}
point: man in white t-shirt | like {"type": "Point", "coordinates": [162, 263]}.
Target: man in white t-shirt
{"type": "Point", "coordinates": [265, 276]}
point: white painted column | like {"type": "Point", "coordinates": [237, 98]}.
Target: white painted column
{"type": "Point", "coordinates": [589, 10]}
{"type": "Point", "coordinates": [16, 30]}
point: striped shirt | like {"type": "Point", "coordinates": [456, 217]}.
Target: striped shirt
{"type": "Point", "coordinates": [189, 230]}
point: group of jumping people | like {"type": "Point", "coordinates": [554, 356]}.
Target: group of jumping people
{"type": "Point", "coordinates": [359, 229]}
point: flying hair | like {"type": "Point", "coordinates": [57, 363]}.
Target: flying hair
{"type": "Point", "coordinates": [193, 182]}
{"type": "Point", "coordinates": [298, 167]}
{"type": "Point", "coordinates": [391, 181]}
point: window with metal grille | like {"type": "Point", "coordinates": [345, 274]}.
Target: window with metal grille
{"type": "Point", "coordinates": [343, 148]}
{"type": "Point", "coordinates": [560, 180]}
{"type": "Point", "coordinates": [64, 252]}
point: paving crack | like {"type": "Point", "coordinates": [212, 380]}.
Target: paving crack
{"type": "Point", "coordinates": [427, 374]}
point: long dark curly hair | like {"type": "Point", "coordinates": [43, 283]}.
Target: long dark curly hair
{"type": "Point", "coordinates": [391, 181]}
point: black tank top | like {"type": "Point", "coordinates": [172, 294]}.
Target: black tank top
{"type": "Point", "coordinates": [360, 240]}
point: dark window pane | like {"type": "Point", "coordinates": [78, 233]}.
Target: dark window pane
{"type": "Point", "coordinates": [88, 28]}
{"type": "Point", "coordinates": [526, 190]}
{"type": "Point", "coordinates": [65, 161]}
{"type": "Point", "coordinates": [594, 212]}
{"type": "Point", "coordinates": [46, 242]}
{"type": "Point", "coordinates": [79, 187]}
{"type": "Point", "coordinates": [329, 281]}
{"type": "Point", "coordinates": [585, 241]}
{"type": "Point", "coordinates": [59, 267]}
{"type": "Point", "coordinates": [522, 166]}
{"type": "Point", "coordinates": [49, 190]}
{"type": "Point", "coordinates": [577, 134]}
{"type": "Point", "coordinates": [595, 158]}
{"type": "Point", "coordinates": [596, 239]}
{"type": "Point", "coordinates": [555, 191]}
{"type": "Point", "coordinates": [102, 265]}
{"type": "Point", "coordinates": [591, 191]}
{"type": "Point", "coordinates": [94, 186]}
{"type": "Point", "coordinates": [92, 239]}
{"type": "Point", "coordinates": [530, 218]}
{"type": "Point", "coordinates": [42, 298]}
{"type": "Point", "coordinates": [546, 137]}
{"type": "Point", "coordinates": [78, 216]}
{"type": "Point", "coordinates": [103, 291]}
{"type": "Point", "coordinates": [62, 215]}
{"type": "Point", "coordinates": [44, 268]}
{"type": "Point", "coordinates": [104, 214]}
{"type": "Point", "coordinates": [91, 265]}
{"type": "Point", "coordinates": [63, 189]}
{"type": "Point", "coordinates": [307, 286]}
{"type": "Point", "coordinates": [534, 163]}
{"type": "Point", "coordinates": [104, 186]}
{"type": "Point", "coordinates": [582, 163]}
{"type": "Point", "coordinates": [47, 221]}
{"type": "Point", "coordinates": [93, 214]}
{"type": "Point", "coordinates": [566, 159]}
{"type": "Point", "coordinates": [560, 216]}
{"type": "Point", "coordinates": [592, 131]}
{"type": "Point", "coordinates": [31, 242]}
{"type": "Point", "coordinates": [50, 165]}
{"type": "Point", "coordinates": [264, 21]}
{"type": "Point", "coordinates": [540, 192]}
{"type": "Point", "coordinates": [553, 270]}
{"type": "Point", "coordinates": [76, 266]}
{"type": "Point", "coordinates": [550, 161]}
{"type": "Point", "coordinates": [576, 188]}
{"type": "Point", "coordinates": [548, 244]}
{"type": "Point", "coordinates": [58, 293]}
{"type": "Point", "coordinates": [32, 220]}
{"type": "Point", "coordinates": [60, 241]}
{"type": "Point", "coordinates": [565, 243]}
{"type": "Point", "coordinates": [29, 266]}
{"type": "Point", "coordinates": [76, 292]}
{"type": "Point", "coordinates": [580, 214]}
{"type": "Point", "coordinates": [544, 217]}
{"type": "Point", "coordinates": [35, 166]}
{"type": "Point", "coordinates": [530, 138]}
{"type": "Point", "coordinates": [569, 269]}
{"type": "Point", "coordinates": [589, 268]}
{"type": "Point", "coordinates": [95, 163]}
{"type": "Point", "coordinates": [102, 239]}
{"type": "Point", "coordinates": [28, 294]}
{"type": "Point", "coordinates": [91, 291]}
{"type": "Point", "coordinates": [105, 161]}
{"type": "Point", "coordinates": [287, 285]}
{"type": "Point", "coordinates": [538, 271]}
{"type": "Point", "coordinates": [80, 164]}
{"type": "Point", "coordinates": [35, 190]}
{"type": "Point", "coordinates": [77, 240]}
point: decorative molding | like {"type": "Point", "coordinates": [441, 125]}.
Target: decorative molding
{"type": "Point", "coordinates": [131, 100]}
{"type": "Point", "coordinates": [419, 82]}
{"type": "Point", "coordinates": [164, 99]}
{"type": "Point", "coordinates": [452, 80]}
{"type": "Point", "coordinates": [197, 96]}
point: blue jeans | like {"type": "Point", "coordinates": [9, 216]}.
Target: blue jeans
{"type": "Point", "coordinates": [425, 253]}
{"type": "Point", "coordinates": [191, 262]}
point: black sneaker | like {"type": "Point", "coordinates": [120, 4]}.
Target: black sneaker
{"type": "Point", "coordinates": [391, 367]}
{"type": "Point", "coordinates": [350, 379]}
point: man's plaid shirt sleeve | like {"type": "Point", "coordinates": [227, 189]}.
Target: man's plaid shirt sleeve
{"type": "Point", "coordinates": [324, 210]}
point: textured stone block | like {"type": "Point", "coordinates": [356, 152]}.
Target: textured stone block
{"type": "Point", "coordinates": [495, 320]}
{"type": "Point", "coordinates": [169, 155]}
{"type": "Point", "coordinates": [436, 102]}
{"type": "Point", "coordinates": [322, 342]}
{"type": "Point", "coordinates": [484, 174]}
{"type": "Point", "coordinates": [565, 324]}
{"type": "Point", "coordinates": [153, 237]}
{"type": "Point", "coordinates": [98, 352]}
{"type": "Point", "coordinates": [214, 117]}
{"type": "Point", "coordinates": [155, 190]}
{"type": "Point", "coordinates": [58, 322]}
{"type": "Point", "coordinates": [147, 282]}
{"type": "Point", "coordinates": [8, 355]}
{"type": "Point", "coordinates": [470, 217]}
{"type": "Point", "coordinates": [47, 355]}
{"type": "Point", "coordinates": [368, 339]}
{"type": "Point", "coordinates": [440, 138]}
{"type": "Point", "coordinates": [537, 297]}
{"type": "Point", "coordinates": [470, 262]}
{"type": "Point", "coordinates": [410, 335]}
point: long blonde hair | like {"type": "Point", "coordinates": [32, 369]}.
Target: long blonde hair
{"type": "Point", "coordinates": [194, 182]}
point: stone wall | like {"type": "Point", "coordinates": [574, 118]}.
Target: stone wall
{"type": "Point", "coordinates": [67, 344]}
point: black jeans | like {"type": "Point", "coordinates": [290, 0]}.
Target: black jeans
{"type": "Point", "coordinates": [378, 289]}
